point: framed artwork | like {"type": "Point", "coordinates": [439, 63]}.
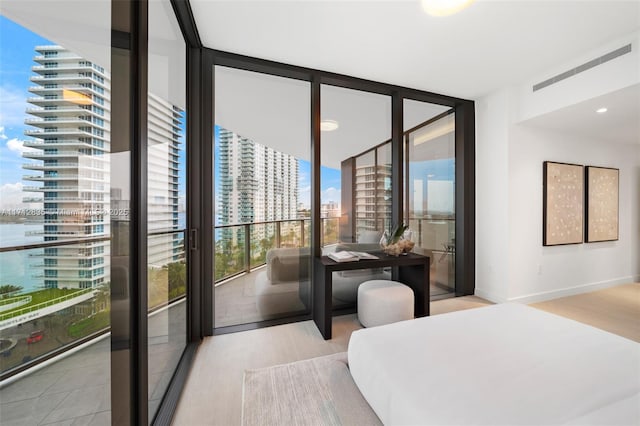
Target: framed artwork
{"type": "Point", "coordinates": [563, 203]}
{"type": "Point", "coordinates": [602, 189]}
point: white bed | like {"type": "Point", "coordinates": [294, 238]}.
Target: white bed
{"type": "Point", "coordinates": [504, 364]}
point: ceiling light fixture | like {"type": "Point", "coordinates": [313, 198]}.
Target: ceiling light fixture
{"type": "Point", "coordinates": [601, 110]}
{"type": "Point", "coordinates": [328, 125]}
{"type": "Point", "coordinates": [444, 7]}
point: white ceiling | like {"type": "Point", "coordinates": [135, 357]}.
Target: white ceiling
{"type": "Point", "coordinates": [620, 124]}
{"type": "Point", "coordinates": [275, 112]}
{"type": "Point", "coordinates": [487, 46]}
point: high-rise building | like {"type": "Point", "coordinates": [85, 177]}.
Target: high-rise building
{"type": "Point", "coordinates": [330, 209]}
{"type": "Point", "coordinates": [257, 184]}
{"type": "Point", "coordinates": [72, 145]}
{"type": "Point", "coordinates": [372, 196]}
{"type": "Point", "coordinates": [71, 120]}
{"type": "Point", "coordinates": [164, 133]}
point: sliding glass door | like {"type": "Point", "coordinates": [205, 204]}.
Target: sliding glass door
{"type": "Point", "coordinates": [166, 198]}
{"type": "Point", "coordinates": [93, 301]}
{"type": "Point", "coordinates": [262, 197]}
{"type": "Point", "coordinates": [55, 183]}
{"type": "Point", "coordinates": [430, 189]}
{"type": "Point", "coordinates": [355, 180]}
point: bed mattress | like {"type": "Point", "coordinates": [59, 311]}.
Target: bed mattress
{"type": "Point", "coordinates": [506, 364]}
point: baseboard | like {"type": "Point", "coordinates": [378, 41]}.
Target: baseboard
{"type": "Point", "coordinates": [489, 296]}
{"type": "Point", "coordinates": [571, 291]}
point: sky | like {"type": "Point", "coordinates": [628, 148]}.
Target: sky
{"type": "Point", "coordinates": [16, 59]}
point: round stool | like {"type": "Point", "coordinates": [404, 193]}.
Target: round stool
{"type": "Point", "coordinates": [383, 302]}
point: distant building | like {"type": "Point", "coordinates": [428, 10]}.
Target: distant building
{"type": "Point", "coordinates": [164, 135]}
{"type": "Point", "coordinates": [71, 120]}
{"type": "Point", "coordinates": [257, 184]}
{"type": "Point", "coordinates": [330, 209]}
{"type": "Point", "coordinates": [372, 198]}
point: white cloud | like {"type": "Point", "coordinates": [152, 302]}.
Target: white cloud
{"type": "Point", "coordinates": [16, 145]}
{"type": "Point", "coordinates": [11, 196]}
{"type": "Point", "coordinates": [2, 134]}
{"type": "Point", "coordinates": [331, 194]}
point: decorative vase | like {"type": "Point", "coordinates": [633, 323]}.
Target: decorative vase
{"type": "Point", "coordinates": [397, 242]}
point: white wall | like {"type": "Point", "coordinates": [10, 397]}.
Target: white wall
{"type": "Point", "coordinates": [492, 196]}
{"type": "Point", "coordinates": [511, 263]}
{"type": "Point", "coordinates": [537, 272]}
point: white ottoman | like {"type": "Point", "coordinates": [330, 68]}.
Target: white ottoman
{"type": "Point", "coordinates": [383, 302]}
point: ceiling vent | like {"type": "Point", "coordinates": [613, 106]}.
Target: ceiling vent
{"type": "Point", "coordinates": [588, 65]}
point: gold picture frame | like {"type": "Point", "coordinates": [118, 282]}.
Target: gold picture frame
{"type": "Point", "coordinates": [563, 204]}
{"type": "Point", "coordinates": [602, 188]}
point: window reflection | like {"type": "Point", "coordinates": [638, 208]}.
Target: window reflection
{"type": "Point", "coordinates": [262, 194]}
{"type": "Point", "coordinates": [430, 198]}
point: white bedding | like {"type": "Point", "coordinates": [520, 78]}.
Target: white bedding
{"type": "Point", "coordinates": [504, 364]}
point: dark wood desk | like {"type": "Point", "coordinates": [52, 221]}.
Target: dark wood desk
{"type": "Point", "coordinates": [413, 271]}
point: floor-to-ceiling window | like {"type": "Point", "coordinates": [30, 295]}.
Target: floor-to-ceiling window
{"type": "Point", "coordinates": [55, 264]}
{"type": "Point", "coordinates": [262, 197]}
{"type": "Point", "coordinates": [93, 308]}
{"type": "Point", "coordinates": [166, 198]}
{"type": "Point", "coordinates": [355, 179]}
{"type": "Point", "coordinates": [430, 189]}
{"type": "Point", "coordinates": [372, 168]}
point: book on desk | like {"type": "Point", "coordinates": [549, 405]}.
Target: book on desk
{"type": "Point", "coordinates": [350, 256]}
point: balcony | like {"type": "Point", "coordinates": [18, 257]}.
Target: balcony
{"type": "Point", "coordinates": [240, 272]}
{"type": "Point", "coordinates": [40, 166]}
{"type": "Point", "coordinates": [56, 132]}
{"type": "Point", "coordinates": [56, 178]}
{"type": "Point", "coordinates": [42, 68]}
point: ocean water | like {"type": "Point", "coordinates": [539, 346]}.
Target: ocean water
{"type": "Point", "coordinates": [16, 267]}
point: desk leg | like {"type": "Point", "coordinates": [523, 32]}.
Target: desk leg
{"type": "Point", "coordinates": [417, 277]}
{"type": "Point", "coordinates": [322, 300]}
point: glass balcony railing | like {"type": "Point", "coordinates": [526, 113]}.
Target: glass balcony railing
{"type": "Point", "coordinates": [243, 247]}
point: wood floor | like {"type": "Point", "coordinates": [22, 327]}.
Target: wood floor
{"type": "Point", "coordinates": [213, 393]}
{"type": "Point", "coordinates": [616, 310]}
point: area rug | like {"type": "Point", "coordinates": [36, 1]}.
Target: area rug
{"type": "Point", "coordinates": [318, 391]}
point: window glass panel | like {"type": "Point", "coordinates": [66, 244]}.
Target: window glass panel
{"type": "Point", "coordinates": [262, 197]}
{"type": "Point", "coordinates": [355, 180]}
{"type": "Point", "coordinates": [166, 218]}
{"type": "Point", "coordinates": [430, 190]}
{"type": "Point", "coordinates": [55, 183]}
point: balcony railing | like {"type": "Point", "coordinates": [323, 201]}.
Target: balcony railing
{"type": "Point", "coordinates": [242, 247]}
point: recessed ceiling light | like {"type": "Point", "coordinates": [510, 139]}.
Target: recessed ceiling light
{"type": "Point", "coordinates": [444, 7]}
{"type": "Point", "coordinates": [601, 110]}
{"type": "Point", "coordinates": [328, 125]}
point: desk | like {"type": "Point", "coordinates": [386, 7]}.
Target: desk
{"type": "Point", "coordinates": [413, 271]}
